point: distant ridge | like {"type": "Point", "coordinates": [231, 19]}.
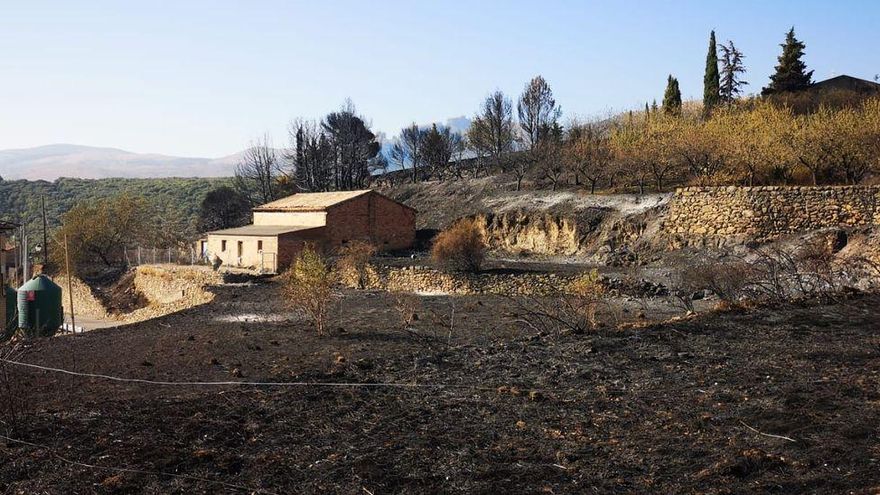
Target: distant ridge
{"type": "Point", "coordinates": [88, 162]}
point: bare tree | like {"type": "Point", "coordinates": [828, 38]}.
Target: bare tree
{"type": "Point", "coordinates": [550, 157]}
{"type": "Point", "coordinates": [259, 176]}
{"type": "Point", "coordinates": [537, 111]}
{"type": "Point", "coordinates": [588, 153]}
{"type": "Point", "coordinates": [407, 151]}
{"type": "Point", "coordinates": [492, 130]}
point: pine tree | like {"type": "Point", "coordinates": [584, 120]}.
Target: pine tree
{"type": "Point", "coordinates": [791, 73]}
{"type": "Point", "coordinates": [731, 68]}
{"type": "Point", "coordinates": [711, 79]}
{"type": "Point", "coordinates": [654, 106]}
{"type": "Point", "coordinates": [672, 97]}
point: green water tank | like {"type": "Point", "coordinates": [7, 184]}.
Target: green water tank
{"type": "Point", "coordinates": [40, 313]}
{"type": "Point", "coordinates": [11, 322]}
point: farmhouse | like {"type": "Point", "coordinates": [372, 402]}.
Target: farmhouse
{"type": "Point", "coordinates": [327, 220]}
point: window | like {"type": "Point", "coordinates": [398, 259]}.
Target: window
{"type": "Point", "coordinates": [240, 248]}
{"type": "Point", "coordinates": [259, 245]}
{"type": "Point", "coordinates": [223, 246]}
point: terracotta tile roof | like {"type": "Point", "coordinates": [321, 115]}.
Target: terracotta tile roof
{"type": "Point", "coordinates": [310, 201]}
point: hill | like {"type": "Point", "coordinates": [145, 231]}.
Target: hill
{"type": "Point", "coordinates": [86, 162]}
{"type": "Point", "coordinates": [20, 199]}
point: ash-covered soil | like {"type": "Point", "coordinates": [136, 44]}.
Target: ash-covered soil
{"type": "Point", "coordinates": [692, 406]}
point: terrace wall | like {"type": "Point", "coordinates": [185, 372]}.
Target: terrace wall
{"type": "Point", "coordinates": [698, 214]}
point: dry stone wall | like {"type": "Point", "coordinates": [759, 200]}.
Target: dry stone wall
{"type": "Point", "coordinates": [428, 280]}
{"type": "Point", "coordinates": [170, 288]}
{"type": "Point", "coordinates": [707, 215]}
{"type": "Point", "coordinates": [84, 301]}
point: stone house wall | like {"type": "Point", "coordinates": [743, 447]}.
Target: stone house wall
{"type": "Point", "coordinates": [698, 214]}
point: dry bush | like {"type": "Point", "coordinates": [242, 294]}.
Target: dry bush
{"type": "Point", "coordinates": [552, 309]}
{"type": "Point", "coordinates": [461, 247]}
{"type": "Point", "coordinates": [442, 321]}
{"type": "Point", "coordinates": [728, 280]}
{"type": "Point", "coordinates": [771, 274]}
{"type": "Point", "coordinates": [14, 392]}
{"type": "Point", "coordinates": [407, 306]}
{"type": "Point", "coordinates": [353, 264]}
{"type": "Point", "coordinates": [810, 271]}
{"type": "Point", "coordinates": [308, 287]}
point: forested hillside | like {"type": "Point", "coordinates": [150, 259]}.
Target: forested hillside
{"type": "Point", "coordinates": [176, 198]}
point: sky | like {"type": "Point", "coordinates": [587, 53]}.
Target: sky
{"type": "Point", "coordinates": [204, 78]}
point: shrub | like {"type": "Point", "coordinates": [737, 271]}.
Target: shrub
{"type": "Point", "coordinates": [353, 264]}
{"type": "Point", "coordinates": [407, 306]}
{"type": "Point", "coordinates": [15, 397]}
{"type": "Point", "coordinates": [308, 287]}
{"type": "Point", "coordinates": [583, 296]}
{"type": "Point", "coordinates": [553, 309]}
{"type": "Point", "coordinates": [727, 280]}
{"type": "Point", "coordinates": [461, 247]}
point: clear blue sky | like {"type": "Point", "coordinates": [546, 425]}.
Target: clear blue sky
{"type": "Point", "coordinates": [202, 78]}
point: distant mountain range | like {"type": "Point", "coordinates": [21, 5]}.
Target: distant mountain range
{"type": "Point", "coordinates": [86, 162]}
{"type": "Point", "coordinates": [53, 161]}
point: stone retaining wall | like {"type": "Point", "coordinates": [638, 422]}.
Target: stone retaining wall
{"type": "Point", "coordinates": [171, 288]}
{"type": "Point", "coordinates": [84, 302]}
{"type": "Point", "coordinates": [427, 280]}
{"type": "Point", "coordinates": [699, 214]}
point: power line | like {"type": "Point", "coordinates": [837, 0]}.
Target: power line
{"type": "Point", "coordinates": [247, 383]}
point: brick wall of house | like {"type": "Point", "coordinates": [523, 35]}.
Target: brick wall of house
{"type": "Point", "coordinates": [395, 227]}
{"type": "Point", "coordinates": [289, 245]}
{"type": "Point", "coordinates": [372, 218]}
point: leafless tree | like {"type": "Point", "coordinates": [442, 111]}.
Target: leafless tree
{"type": "Point", "coordinates": [407, 151]}
{"type": "Point", "coordinates": [588, 153]}
{"type": "Point", "coordinates": [260, 176]}
{"type": "Point", "coordinates": [492, 130]}
{"type": "Point", "coordinates": [537, 111]}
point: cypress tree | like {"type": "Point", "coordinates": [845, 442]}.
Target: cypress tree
{"type": "Point", "coordinates": [711, 79]}
{"type": "Point", "coordinates": [672, 97]}
{"type": "Point", "coordinates": [791, 73]}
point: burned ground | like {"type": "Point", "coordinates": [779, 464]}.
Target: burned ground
{"type": "Point", "coordinates": [693, 406]}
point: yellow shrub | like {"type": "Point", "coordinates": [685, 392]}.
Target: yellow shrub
{"type": "Point", "coordinates": [461, 247]}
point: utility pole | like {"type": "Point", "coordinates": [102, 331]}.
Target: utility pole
{"type": "Point", "coordinates": [25, 272]}
{"type": "Point", "coordinates": [69, 284]}
{"type": "Point", "coordinates": [45, 235]}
